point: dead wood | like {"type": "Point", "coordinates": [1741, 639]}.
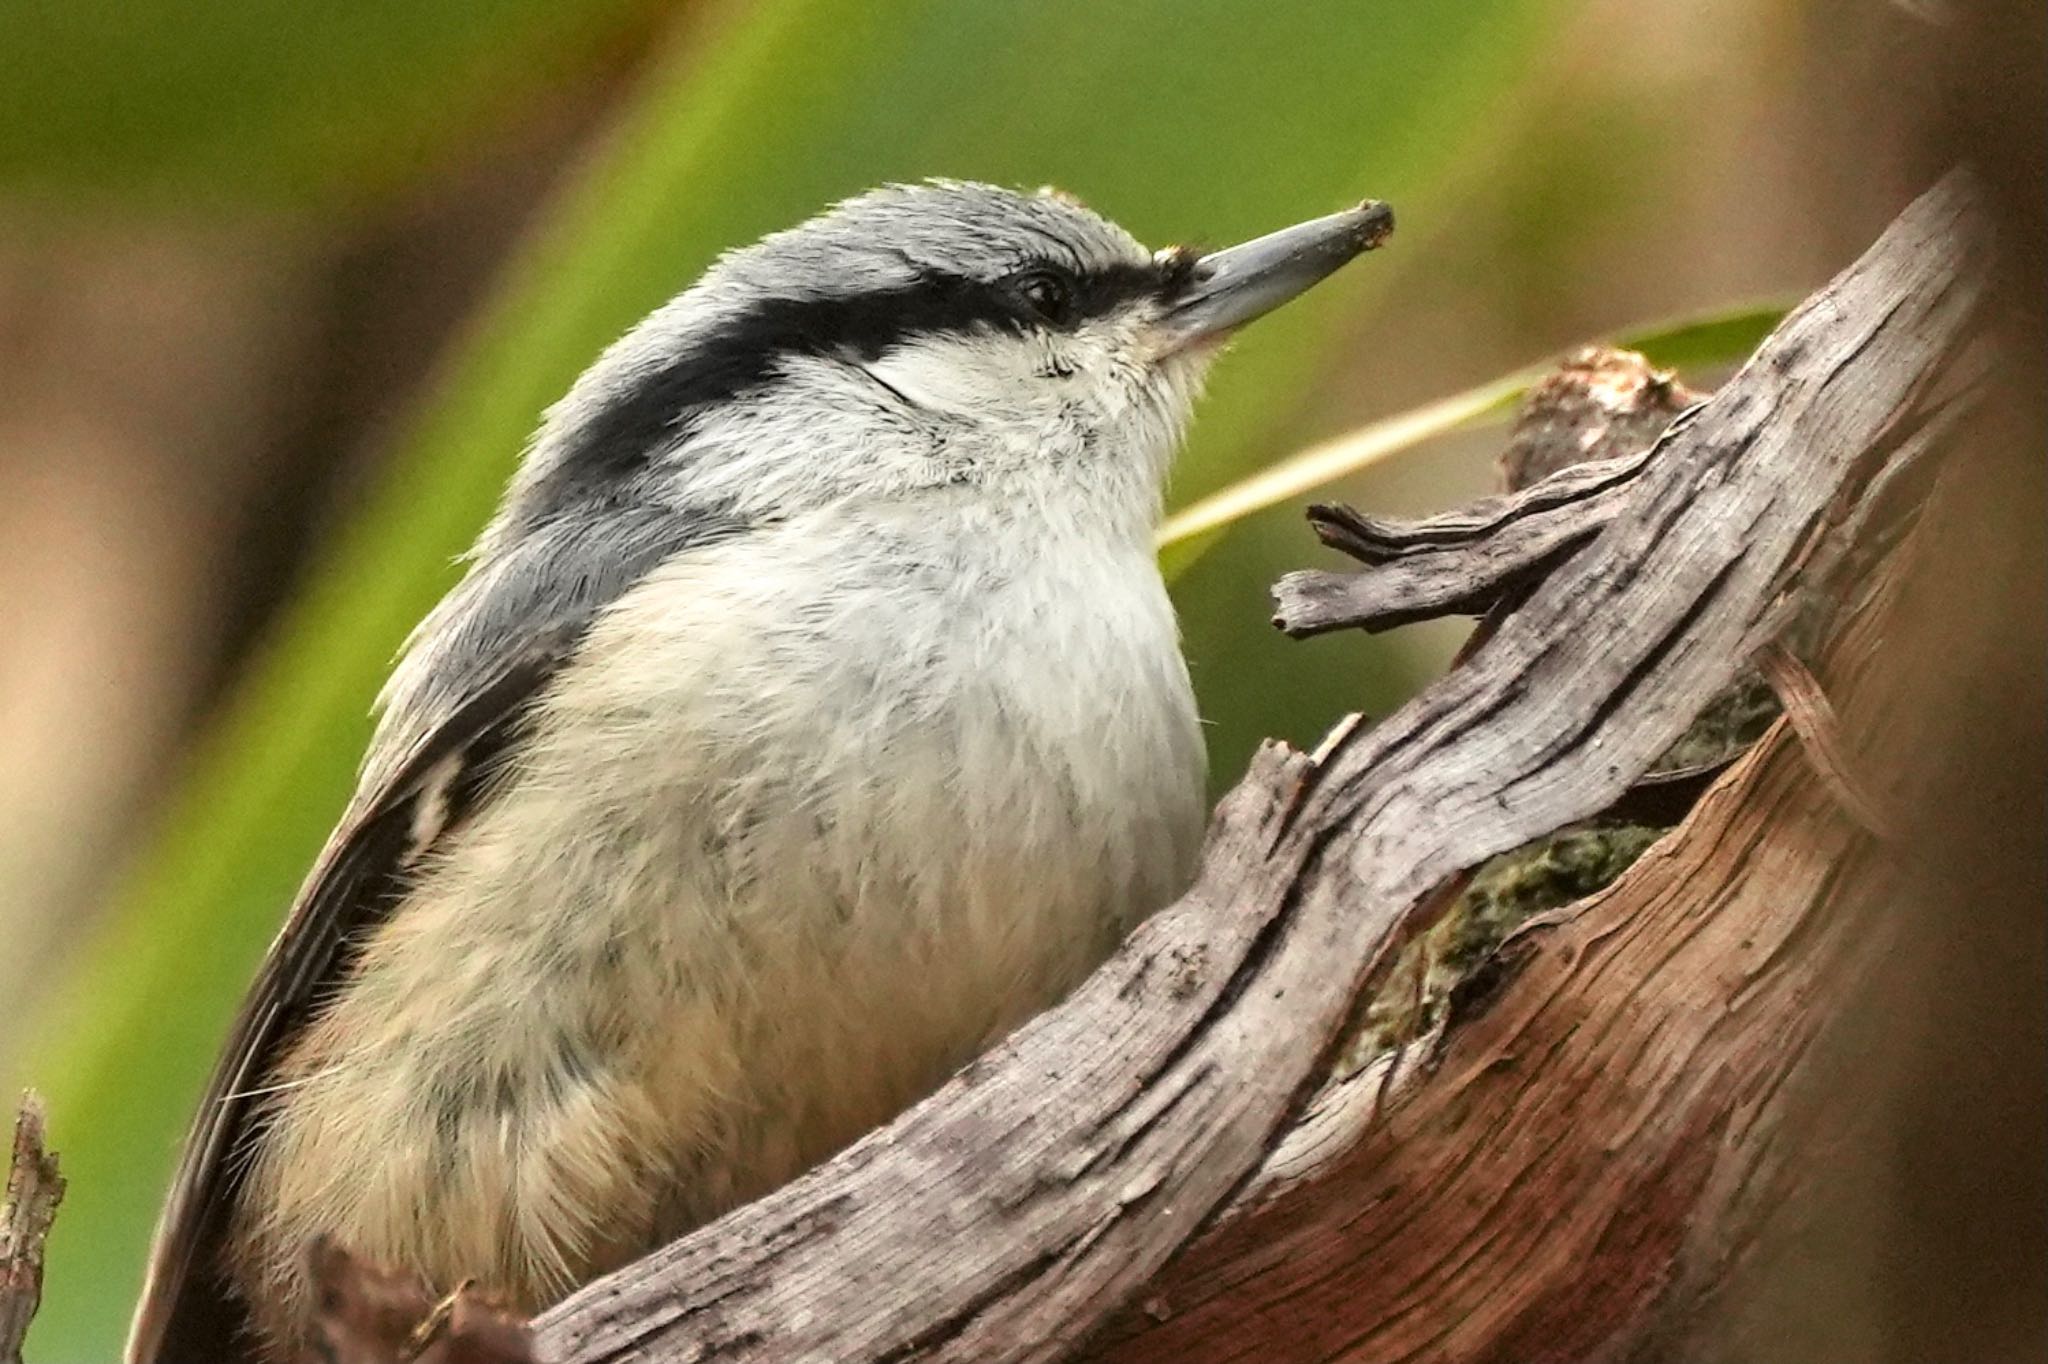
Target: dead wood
{"type": "Point", "coordinates": [34, 1189]}
{"type": "Point", "coordinates": [1460, 563]}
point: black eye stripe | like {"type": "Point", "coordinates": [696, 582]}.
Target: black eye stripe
{"type": "Point", "coordinates": [1105, 290]}
{"type": "Point", "coordinates": [745, 351]}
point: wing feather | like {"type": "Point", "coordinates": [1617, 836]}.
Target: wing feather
{"type": "Point", "coordinates": [452, 717]}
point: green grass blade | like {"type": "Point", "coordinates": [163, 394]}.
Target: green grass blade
{"type": "Point", "coordinates": [1331, 460]}
{"type": "Point", "coordinates": [1709, 340]}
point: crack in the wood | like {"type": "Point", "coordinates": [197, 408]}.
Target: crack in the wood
{"type": "Point", "coordinates": [1375, 541]}
{"type": "Point", "coordinates": [1251, 963]}
{"type": "Point", "coordinates": [1627, 686]}
{"type": "Point", "coordinates": [1120, 1143]}
{"type": "Point", "coordinates": [743, 1275]}
{"type": "Point", "coordinates": [959, 1321]}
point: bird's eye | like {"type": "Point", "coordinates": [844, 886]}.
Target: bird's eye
{"type": "Point", "coordinates": [1047, 293]}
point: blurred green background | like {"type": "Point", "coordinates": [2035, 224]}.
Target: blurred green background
{"type": "Point", "coordinates": [283, 288]}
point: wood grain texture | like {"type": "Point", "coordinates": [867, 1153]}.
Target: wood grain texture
{"type": "Point", "coordinates": [1573, 1161]}
{"type": "Point", "coordinates": [1131, 1168]}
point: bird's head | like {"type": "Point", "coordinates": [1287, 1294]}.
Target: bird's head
{"type": "Point", "coordinates": [925, 336]}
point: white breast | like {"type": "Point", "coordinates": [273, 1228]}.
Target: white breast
{"type": "Point", "coordinates": [920, 787]}
{"type": "Point", "coordinates": [867, 794]}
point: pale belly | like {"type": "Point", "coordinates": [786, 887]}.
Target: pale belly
{"type": "Point", "coordinates": [736, 908]}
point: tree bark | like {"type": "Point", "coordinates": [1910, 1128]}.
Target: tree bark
{"type": "Point", "coordinates": [33, 1191]}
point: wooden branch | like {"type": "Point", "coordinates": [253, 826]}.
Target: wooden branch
{"type": "Point", "coordinates": [34, 1189]}
{"type": "Point", "coordinates": [1582, 1147]}
{"type": "Point", "coordinates": [1461, 562]}
{"type": "Point", "coordinates": [1136, 1167]}
{"type": "Point", "coordinates": [1582, 436]}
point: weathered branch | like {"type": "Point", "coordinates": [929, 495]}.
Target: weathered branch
{"type": "Point", "coordinates": [1580, 439]}
{"type": "Point", "coordinates": [1136, 1167]}
{"type": "Point", "coordinates": [1593, 1124]}
{"type": "Point", "coordinates": [34, 1189]}
{"type": "Point", "coordinates": [1461, 562]}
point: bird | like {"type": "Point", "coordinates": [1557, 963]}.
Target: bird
{"type": "Point", "coordinates": [811, 713]}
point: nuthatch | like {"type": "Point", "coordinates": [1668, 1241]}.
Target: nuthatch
{"type": "Point", "coordinates": [811, 713]}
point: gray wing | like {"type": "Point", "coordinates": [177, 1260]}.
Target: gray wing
{"type": "Point", "coordinates": [453, 716]}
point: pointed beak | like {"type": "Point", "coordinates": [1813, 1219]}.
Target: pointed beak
{"type": "Point", "coordinates": [1231, 287]}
